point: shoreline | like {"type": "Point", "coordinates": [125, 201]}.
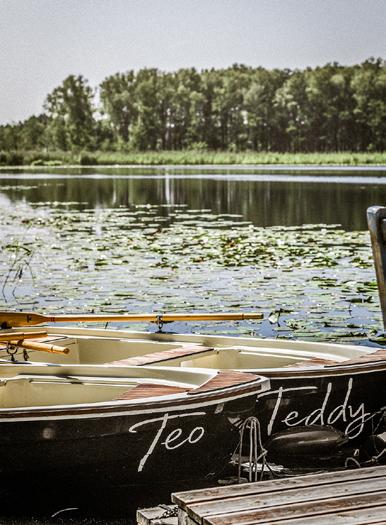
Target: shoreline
{"type": "Point", "coordinates": [24, 159]}
{"type": "Point", "coordinates": [196, 169]}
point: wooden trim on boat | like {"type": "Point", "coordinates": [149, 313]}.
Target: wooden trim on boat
{"type": "Point", "coordinates": [314, 361]}
{"type": "Point", "coordinates": [376, 357]}
{"type": "Point", "coordinates": [225, 379]}
{"type": "Point", "coordinates": [150, 390]}
{"type": "Point", "coordinates": [379, 355]}
{"type": "Point", "coordinates": [352, 368]}
{"type": "Point", "coordinates": [165, 355]}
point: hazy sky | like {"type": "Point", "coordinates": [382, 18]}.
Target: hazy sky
{"type": "Point", "coordinates": [43, 41]}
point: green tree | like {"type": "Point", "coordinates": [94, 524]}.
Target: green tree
{"type": "Point", "coordinates": [117, 95]}
{"type": "Point", "coordinates": [228, 106]}
{"type": "Point", "coordinates": [330, 108]}
{"type": "Point", "coordinates": [32, 132]}
{"type": "Point", "coordinates": [71, 114]}
{"type": "Point", "coordinates": [184, 122]}
{"type": "Point", "coordinates": [292, 111]}
{"type": "Point", "coordinates": [369, 92]}
{"type": "Point", "coordinates": [146, 130]}
{"type": "Point", "coordinates": [264, 130]}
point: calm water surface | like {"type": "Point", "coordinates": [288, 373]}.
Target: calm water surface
{"type": "Point", "coordinates": [265, 197]}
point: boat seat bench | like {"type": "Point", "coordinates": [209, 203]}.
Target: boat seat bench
{"type": "Point", "coordinates": [164, 355]}
{"type": "Point", "coordinates": [221, 380]}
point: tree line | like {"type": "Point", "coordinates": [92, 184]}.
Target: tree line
{"type": "Point", "coordinates": [240, 108]}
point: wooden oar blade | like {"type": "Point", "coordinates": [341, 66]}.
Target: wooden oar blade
{"type": "Point", "coordinates": [11, 319]}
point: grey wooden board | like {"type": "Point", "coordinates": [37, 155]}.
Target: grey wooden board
{"type": "Point", "coordinates": [376, 222]}
{"type": "Point", "coordinates": [286, 497]}
{"type": "Point", "coordinates": [326, 509]}
{"type": "Point", "coordinates": [183, 499]}
{"type": "Point", "coordinates": [352, 517]}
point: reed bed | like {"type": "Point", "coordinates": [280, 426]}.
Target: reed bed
{"type": "Point", "coordinates": [187, 157]}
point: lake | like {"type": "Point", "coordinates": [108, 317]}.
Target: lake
{"type": "Point", "coordinates": [290, 243]}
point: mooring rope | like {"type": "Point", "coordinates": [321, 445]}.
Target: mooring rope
{"type": "Point", "coordinates": [255, 445]}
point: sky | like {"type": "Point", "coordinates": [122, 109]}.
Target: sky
{"type": "Point", "coordinates": [44, 41]}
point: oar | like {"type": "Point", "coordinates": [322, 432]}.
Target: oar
{"type": "Point", "coordinates": [41, 347]}
{"type": "Point", "coordinates": [10, 336]}
{"type": "Point", "coordinates": [10, 319]}
{"type": "Point", "coordinates": [18, 339]}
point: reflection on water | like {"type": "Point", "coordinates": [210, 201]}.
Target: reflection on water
{"type": "Point", "coordinates": [287, 200]}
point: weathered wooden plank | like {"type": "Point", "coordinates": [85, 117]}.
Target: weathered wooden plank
{"type": "Point", "coordinates": [367, 516]}
{"type": "Point", "coordinates": [182, 499]}
{"type": "Point", "coordinates": [292, 496]}
{"type": "Point", "coordinates": [184, 519]}
{"type": "Point", "coordinates": [376, 216]}
{"type": "Point", "coordinates": [330, 506]}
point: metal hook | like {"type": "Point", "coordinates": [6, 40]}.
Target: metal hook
{"type": "Point", "coordinates": [11, 351]}
{"type": "Point", "coordinates": [159, 322]}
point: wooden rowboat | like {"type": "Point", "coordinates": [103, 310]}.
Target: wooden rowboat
{"type": "Point", "coordinates": [121, 425]}
{"type": "Point", "coordinates": [339, 386]}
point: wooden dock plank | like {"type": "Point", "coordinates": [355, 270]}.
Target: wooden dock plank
{"type": "Point", "coordinates": [292, 496]}
{"type": "Point", "coordinates": [183, 499]}
{"type": "Point", "coordinates": [368, 516]}
{"type": "Point", "coordinates": [328, 507]}
{"type": "Point", "coordinates": [346, 497]}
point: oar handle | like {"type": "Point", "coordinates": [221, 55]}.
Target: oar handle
{"type": "Point", "coordinates": [41, 347]}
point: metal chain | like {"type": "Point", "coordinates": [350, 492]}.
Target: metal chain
{"type": "Point", "coordinates": [171, 511]}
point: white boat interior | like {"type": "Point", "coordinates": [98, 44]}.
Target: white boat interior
{"type": "Point", "coordinates": [117, 347]}
{"type": "Point", "coordinates": [46, 385]}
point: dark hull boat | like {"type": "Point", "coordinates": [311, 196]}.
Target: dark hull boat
{"type": "Point", "coordinates": [122, 425]}
{"type": "Point", "coordinates": [339, 386]}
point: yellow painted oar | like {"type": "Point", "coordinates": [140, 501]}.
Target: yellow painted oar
{"type": "Point", "coordinates": [18, 339]}
{"type": "Point", "coordinates": [10, 319]}
{"type": "Point", "coordinates": [41, 347]}
{"type": "Point", "coordinates": [11, 336]}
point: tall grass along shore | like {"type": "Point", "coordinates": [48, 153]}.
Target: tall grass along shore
{"type": "Point", "coordinates": [186, 157]}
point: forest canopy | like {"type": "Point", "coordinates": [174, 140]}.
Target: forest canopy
{"type": "Point", "coordinates": [323, 109]}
